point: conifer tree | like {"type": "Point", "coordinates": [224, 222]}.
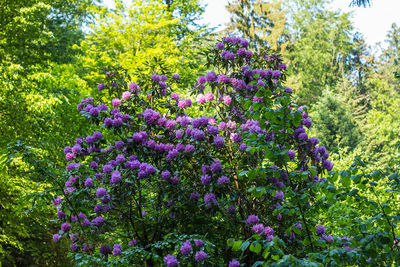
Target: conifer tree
{"type": "Point", "coordinates": [261, 22]}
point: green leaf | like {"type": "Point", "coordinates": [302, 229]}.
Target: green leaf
{"type": "Point", "coordinates": [244, 245]}
{"type": "Point", "coordinates": [236, 245]}
{"type": "Point", "coordinates": [255, 248]}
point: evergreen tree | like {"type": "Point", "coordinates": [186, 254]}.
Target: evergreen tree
{"type": "Point", "coordinates": [333, 123]}
{"type": "Point", "coordinates": [262, 23]}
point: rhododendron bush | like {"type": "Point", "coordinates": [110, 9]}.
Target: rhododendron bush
{"type": "Point", "coordinates": [240, 184]}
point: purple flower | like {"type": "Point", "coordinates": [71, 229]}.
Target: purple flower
{"type": "Point", "coordinates": [327, 164]}
{"type": "Point", "coordinates": [101, 192]}
{"type": "Point", "coordinates": [314, 141]}
{"type": "Point", "coordinates": [231, 210]}
{"type": "Point", "coordinates": [223, 79]}
{"type": "Point", "coordinates": [117, 249]}
{"type": "Point", "coordinates": [209, 96]}
{"type": "Point", "coordinates": [89, 182]}
{"type": "Point", "coordinates": [194, 196]}
{"type": "Point", "coordinates": [307, 122]}
{"type": "Point", "coordinates": [176, 77]}
{"type": "Point", "coordinates": [228, 55]}
{"type": "Point", "coordinates": [268, 231]}
{"type": "Point", "coordinates": [120, 159]}
{"type": "Point", "coordinates": [107, 168]}
{"type": "Point", "coordinates": [189, 148]}
{"type": "Point", "coordinates": [198, 134]}
{"type": "Point", "coordinates": [243, 42]}
{"type": "Point", "coordinates": [216, 166]}
{"type": "Point", "coordinates": [94, 165]}
{"type": "Point", "coordinates": [237, 138]}
{"type": "Point", "coordinates": [165, 175]}
{"type": "Point", "coordinates": [126, 95]}
{"type": "Point", "coordinates": [211, 77]}
{"type": "Point", "coordinates": [170, 124]}
{"type": "Point", "coordinates": [98, 208]}
{"type": "Point", "coordinates": [234, 263]}
{"type": "Point", "coordinates": [116, 102]}
{"type": "Point", "coordinates": [276, 74]}
{"type": "Point", "coordinates": [174, 180]}
{"type": "Point", "coordinates": [98, 221]}
{"type": "Point", "coordinates": [186, 248]}
{"type": "Point", "coordinates": [74, 237]}
{"type": "Point", "coordinates": [101, 86]}
{"type": "Point", "coordinates": [205, 179]}
{"type": "Point", "coordinates": [57, 201]}
{"type": "Point", "coordinates": [223, 180]}
{"type": "Point", "coordinates": [220, 45]}
{"type": "Point", "coordinates": [327, 238]}
{"type": "Point", "coordinates": [56, 237]}
{"type": "Point", "coordinates": [85, 222]}
{"type": "Point", "coordinates": [105, 249]}
{"type": "Point", "coordinates": [133, 87]}
{"type": "Point", "coordinates": [201, 80]}
{"type": "Point", "coordinates": [73, 247]}
{"type": "Point", "coordinates": [279, 195]}
{"type": "Point", "coordinates": [201, 99]}
{"type": "Point", "coordinates": [219, 141]}
{"type": "Point", "coordinates": [252, 219]}
{"type": "Point", "coordinates": [65, 227]}
{"type": "Point", "coordinates": [199, 243]}
{"type": "Point", "coordinates": [87, 248]}
{"type": "Point", "coordinates": [200, 256]}
{"type": "Point", "coordinates": [209, 198]}
{"type": "Point", "coordinates": [258, 228]}
{"type": "Point", "coordinates": [175, 96]}
{"type": "Point", "coordinates": [172, 154]}
{"type": "Point", "coordinates": [170, 261]}
{"type": "Point", "coordinates": [321, 150]}
{"type": "Point", "coordinates": [115, 177]}
{"type": "Point", "coordinates": [269, 238]}
{"type": "Point", "coordinates": [291, 154]}
{"type": "Point", "coordinates": [156, 78]}
{"type": "Point", "coordinates": [303, 136]}
{"type": "Point", "coordinates": [213, 130]}
{"type": "Point", "coordinates": [320, 229]}
{"type": "Point", "coordinates": [132, 242]}
{"type": "Point", "coordinates": [227, 100]}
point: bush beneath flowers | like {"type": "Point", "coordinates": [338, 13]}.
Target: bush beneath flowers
{"type": "Point", "coordinates": [240, 185]}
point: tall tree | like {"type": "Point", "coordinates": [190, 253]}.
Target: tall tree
{"type": "Point", "coordinates": [37, 86]}
{"type": "Point", "coordinates": [322, 42]}
{"type": "Point", "coordinates": [359, 3]}
{"type": "Point", "coordinates": [261, 22]}
{"type": "Point", "coordinates": [145, 38]}
{"type": "Point", "coordinates": [334, 124]}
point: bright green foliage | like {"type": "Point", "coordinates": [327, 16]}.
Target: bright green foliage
{"type": "Point", "coordinates": [321, 44]}
{"type": "Point", "coordinates": [365, 205]}
{"type": "Point", "coordinates": [381, 124]}
{"type": "Point", "coordinates": [34, 32]}
{"type": "Point", "coordinates": [262, 23]}
{"type": "Point", "coordinates": [146, 38]}
{"type": "Point", "coordinates": [37, 87]}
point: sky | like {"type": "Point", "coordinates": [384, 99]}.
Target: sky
{"type": "Point", "coordinates": [373, 22]}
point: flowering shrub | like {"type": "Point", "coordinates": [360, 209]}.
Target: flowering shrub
{"type": "Point", "coordinates": [238, 185]}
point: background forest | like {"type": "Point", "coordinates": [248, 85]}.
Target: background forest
{"type": "Point", "coordinates": [54, 53]}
